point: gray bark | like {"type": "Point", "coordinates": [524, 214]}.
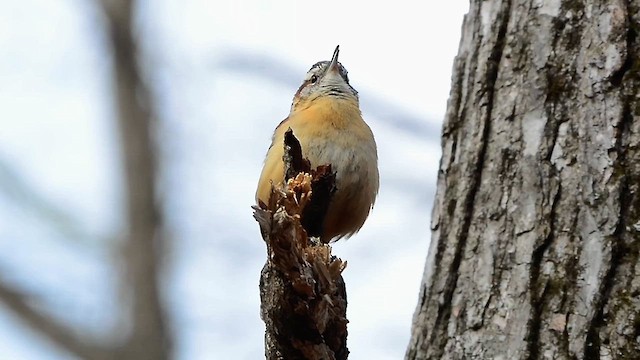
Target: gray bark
{"type": "Point", "coordinates": [536, 223]}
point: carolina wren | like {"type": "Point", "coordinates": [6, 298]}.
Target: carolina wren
{"type": "Point", "coordinates": [325, 117]}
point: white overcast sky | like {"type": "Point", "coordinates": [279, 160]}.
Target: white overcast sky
{"type": "Point", "coordinates": [224, 73]}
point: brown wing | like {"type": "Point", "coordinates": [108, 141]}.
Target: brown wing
{"type": "Point", "coordinates": [273, 169]}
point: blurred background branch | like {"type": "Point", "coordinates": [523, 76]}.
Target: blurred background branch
{"type": "Point", "coordinates": [117, 118]}
{"type": "Point", "coordinates": [142, 246]}
{"type": "Point", "coordinates": [17, 190]}
{"type": "Point", "coordinates": [67, 338]}
{"type": "Point", "coordinates": [284, 73]}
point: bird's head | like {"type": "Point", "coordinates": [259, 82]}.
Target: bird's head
{"type": "Point", "coordinates": [325, 78]}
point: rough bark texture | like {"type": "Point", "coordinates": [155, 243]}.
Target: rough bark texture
{"type": "Point", "coordinates": [536, 225]}
{"type": "Point", "coordinates": [302, 293]}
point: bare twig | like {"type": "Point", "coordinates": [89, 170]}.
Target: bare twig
{"type": "Point", "coordinates": [281, 72]}
{"type": "Point", "coordinates": [14, 187]}
{"type": "Point", "coordinates": [49, 327]}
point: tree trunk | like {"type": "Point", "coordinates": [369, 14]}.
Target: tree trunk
{"type": "Point", "coordinates": [536, 224]}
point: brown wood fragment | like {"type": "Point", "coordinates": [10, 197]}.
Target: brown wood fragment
{"type": "Point", "coordinates": [303, 296]}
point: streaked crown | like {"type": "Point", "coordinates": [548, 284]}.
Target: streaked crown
{"type": "Point", "coordinates": [325, 78]}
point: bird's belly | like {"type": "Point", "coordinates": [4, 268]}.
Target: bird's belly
{"type": "Point", "coordinates": [355, 165]}
{"type": "Point", "coordinates": [350, 161]}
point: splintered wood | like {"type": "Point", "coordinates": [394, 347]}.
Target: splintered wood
{"type": "Point", "coordinates": [303, 296]}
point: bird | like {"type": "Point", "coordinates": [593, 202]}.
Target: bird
{"type": "Point", "coordinates": [325, 117]}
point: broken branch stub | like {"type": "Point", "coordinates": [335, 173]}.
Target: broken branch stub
{"type": "Point", "coordinates": [303, 296]}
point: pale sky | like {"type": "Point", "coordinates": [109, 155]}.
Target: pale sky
{"type": "Point", "coordinates": [58, 138]}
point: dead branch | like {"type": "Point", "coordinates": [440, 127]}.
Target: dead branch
{"type": "Point", "coordinates": [303, 296]}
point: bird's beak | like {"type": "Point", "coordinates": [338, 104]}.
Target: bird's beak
{"type": "Point", "coordinates": [333, 66]}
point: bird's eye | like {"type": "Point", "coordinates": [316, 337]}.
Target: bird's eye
{"type": "Point", "coordinates": [313, 79]}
